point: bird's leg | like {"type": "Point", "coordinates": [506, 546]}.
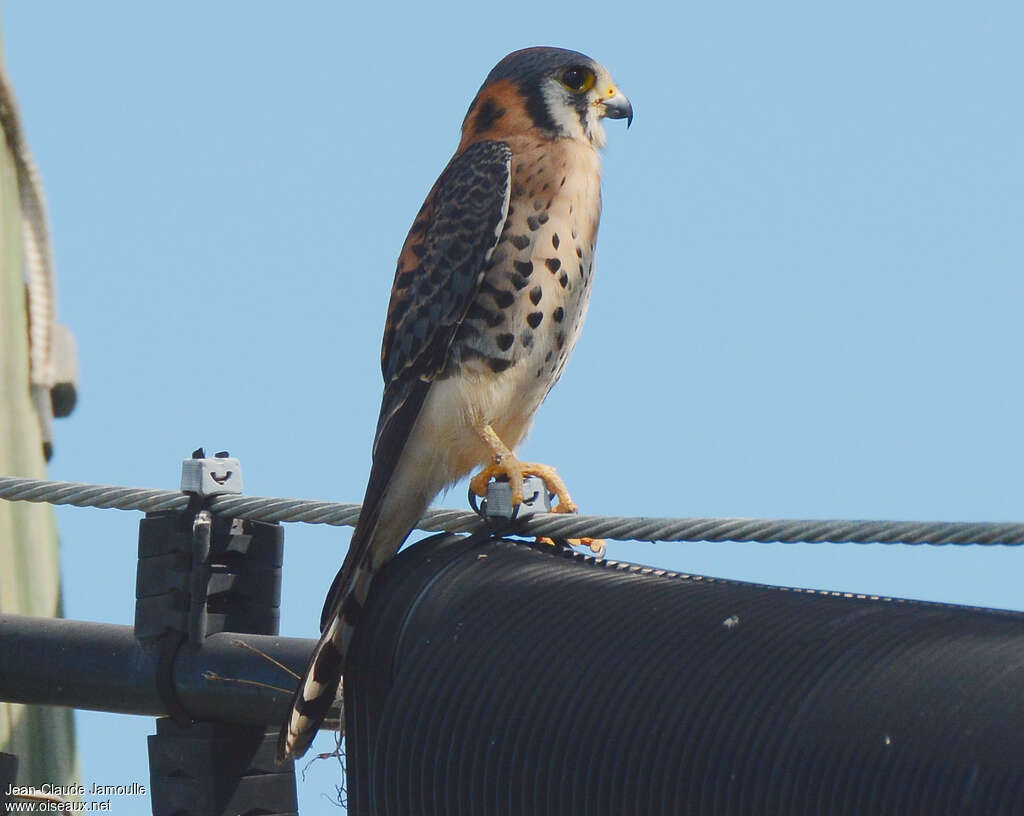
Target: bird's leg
{"type": "Point", "coordinates": [505, 463]}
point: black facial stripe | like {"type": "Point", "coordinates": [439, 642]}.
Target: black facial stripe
{"type": "Point", "coordinates": [536, 107]}
{"type": "Point", "coordinates": [488, 114]}
{"type": "Point", "coordinates": [581, 103]}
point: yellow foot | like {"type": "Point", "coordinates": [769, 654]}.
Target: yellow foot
{"type": "Point", "coordinates": [516, 472]}
{"type": "Point", "coordinates": [596, 545]}
{"type": "Point", "coordinates": [506, 464]}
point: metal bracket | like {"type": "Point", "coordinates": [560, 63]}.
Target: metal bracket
{"type": "Point", "coordinates": [211, 476]}
{"type": "Point", "coordinates": [199, 578]}
{"type": "Point", "coordinates": [498, 504]}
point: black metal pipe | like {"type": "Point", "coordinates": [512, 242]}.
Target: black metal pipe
{"type": "Point", "coordinates": [103, 667]}
{"type": "Point", "coordinates": [502, 678]}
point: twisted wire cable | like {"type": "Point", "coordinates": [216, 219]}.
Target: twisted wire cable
{"type": "Point", "coordinates": [553, 525]}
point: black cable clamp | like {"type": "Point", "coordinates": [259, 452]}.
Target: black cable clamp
{"type": "Point", "coordinates": [201, 574]}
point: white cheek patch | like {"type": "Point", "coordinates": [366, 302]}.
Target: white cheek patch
{"type": "Point", "coordinates": [566, 117]}
{"type": "Point", "coordinates": [560, 107]}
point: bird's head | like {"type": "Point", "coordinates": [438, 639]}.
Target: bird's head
{"type": "Point", "coordinates": [558, 93]}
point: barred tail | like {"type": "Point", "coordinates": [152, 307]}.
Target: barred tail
{"type": "Point", "coordinates": [322, 679]}
{"type": "Point", "coordinates": [407, 473]}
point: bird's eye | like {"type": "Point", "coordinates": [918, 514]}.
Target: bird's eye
{"type": "Point", "coordinates": [577, 79]}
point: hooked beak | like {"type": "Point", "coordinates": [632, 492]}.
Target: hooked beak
{"type": "Point", "coordinates": [617, 106]}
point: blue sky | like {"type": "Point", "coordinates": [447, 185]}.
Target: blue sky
{"type": "Point", "coordinates": [808, 296]}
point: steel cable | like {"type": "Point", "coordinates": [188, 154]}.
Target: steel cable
{"type": "Point", "coordinates": [553, 525]}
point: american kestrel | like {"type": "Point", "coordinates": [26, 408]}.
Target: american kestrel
{"type": "Point", "coordinates": [489, 299]}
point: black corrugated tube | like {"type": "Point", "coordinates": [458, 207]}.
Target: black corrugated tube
{"type": "Point", "coordinates": [505, 678]}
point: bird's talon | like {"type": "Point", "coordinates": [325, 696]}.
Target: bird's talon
{"type": "Point", "coordinates": [478, 484]}
{"type": "Point", "coordinates": [565, 505]}
{"type": "Point", "coordinates": [515, 471]}
{"type": "Point", "coordinates": [597, 546]}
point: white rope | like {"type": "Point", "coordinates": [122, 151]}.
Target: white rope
{"type": "Point", "coordinates": [38, 250]}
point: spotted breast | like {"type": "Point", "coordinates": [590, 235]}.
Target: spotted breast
{"type": "Point", "coordinates": [529, 312]}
